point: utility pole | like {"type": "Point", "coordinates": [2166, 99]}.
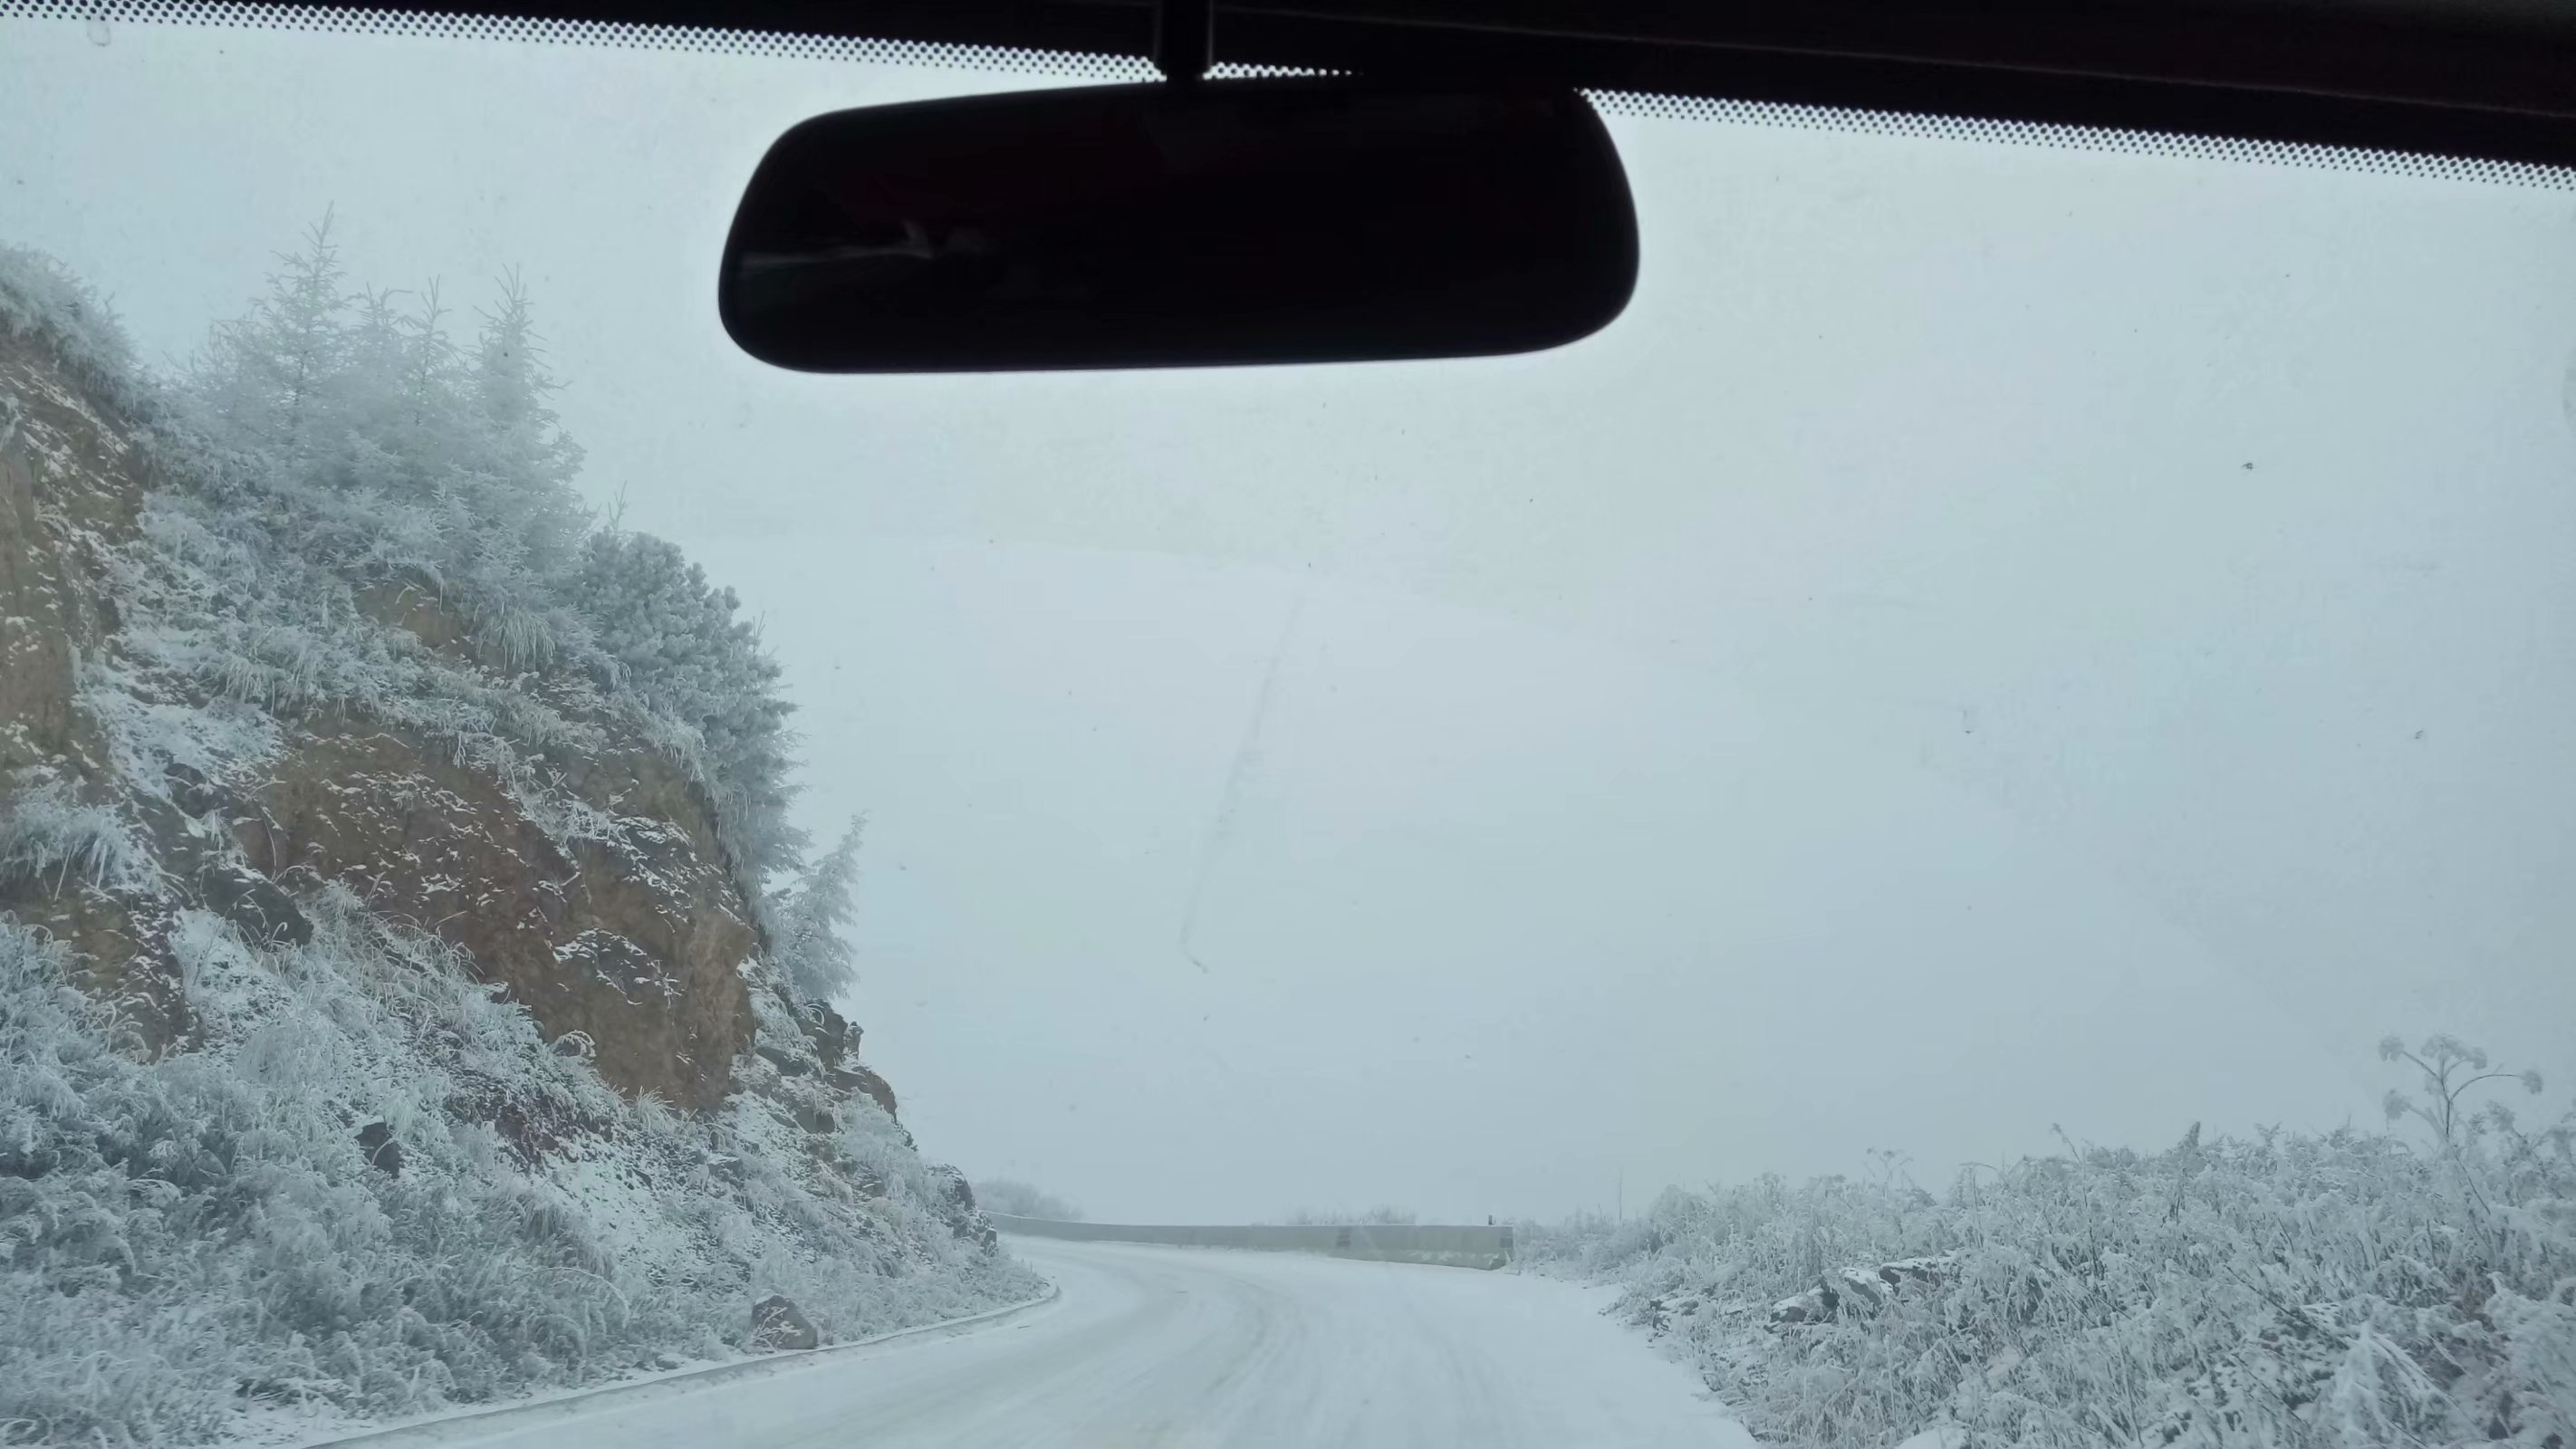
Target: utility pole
{"type": "Point", "coordinates": [1620, 1200]}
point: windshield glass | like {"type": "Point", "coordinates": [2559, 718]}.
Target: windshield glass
{"type": "Point", "coordinates": [1872, 817]}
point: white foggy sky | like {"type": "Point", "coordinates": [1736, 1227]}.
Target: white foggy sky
{"type": "Point", "coordinates": [1862, 699]}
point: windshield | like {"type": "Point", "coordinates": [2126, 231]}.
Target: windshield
{"type": "Point", "coordinates": [1963, 818]}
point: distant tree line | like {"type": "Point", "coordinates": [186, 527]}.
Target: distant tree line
{"type": "Point", "coordinates": [1014, 1198]}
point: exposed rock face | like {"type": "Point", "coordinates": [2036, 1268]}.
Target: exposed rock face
{"type": "Point", "coordinates": [71, 484]}
{"type": "Point", "coordinates": [630, 932]}
{"type": "Point", "coordinates": [262, 910]}
{"type": "Point", "coordinates": [384, 1154]}
{"type": "Point", "coordinates": [777, 1323]}
{"type": "Point", "coordinates": [836, 1047]}
{"type": "Point", "coordinates": [70, 490]}
{"type": "Point", "coordinates": [634, 942]}
{"type": "Point", "coordinates": [964, 1218]}
{"type": "Point", "coordinates": [36, 628]}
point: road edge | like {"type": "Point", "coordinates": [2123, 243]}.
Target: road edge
{"type": "Point", "coordinates": [580, 1403]}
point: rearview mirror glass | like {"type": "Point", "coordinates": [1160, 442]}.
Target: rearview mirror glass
{"type": "Point", "coordinates": [1159, 226]}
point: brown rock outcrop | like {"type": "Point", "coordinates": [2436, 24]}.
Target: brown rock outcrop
{"type": "Point", "coordinates": [70, 489]}
{"type": "Point", "coordinates": [634, 942]}
{"type": "Point", "coordinates": [630, 933]}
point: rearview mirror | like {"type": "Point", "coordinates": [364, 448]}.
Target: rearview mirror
{"type": "Point", "coordinates": [1262, 221]}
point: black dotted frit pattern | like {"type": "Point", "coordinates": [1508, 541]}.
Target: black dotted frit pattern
{"type": "Point", "coordinates": [1132, 68]}
{"type": "Point", "coordinates": [2082, 138]}
{"type": "Point", "coordinates": [582, 32]}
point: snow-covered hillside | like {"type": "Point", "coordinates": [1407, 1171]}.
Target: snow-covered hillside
{"type": "Point", "coordinates": [2354, 1290]}
{"type": "Point", "coordinates": [411, 989]}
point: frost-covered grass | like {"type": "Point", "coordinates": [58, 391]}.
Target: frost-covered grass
{"type": "Point", "coordinates": [182, 1238]}
{"type": "Point", "coordinates": [49, 836]}
{"type": "Point", "coordinates": [2353, 1289]}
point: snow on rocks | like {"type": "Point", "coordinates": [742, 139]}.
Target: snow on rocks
{"type": "Point", "coordinates": [777, 1323]}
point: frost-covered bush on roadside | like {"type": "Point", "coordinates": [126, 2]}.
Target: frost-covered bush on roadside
{"type": "Point", "coordinates": [2346, 1290]}
{"type": "Point", "coordinates": [677, 642]}
{"type": "Point", "coordinates": [180, 1237]}
{"type": "Point", "coordinates": [806, 920]}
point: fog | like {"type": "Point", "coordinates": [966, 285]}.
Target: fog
{"type": "Point", "coordinates": [1997, 639]}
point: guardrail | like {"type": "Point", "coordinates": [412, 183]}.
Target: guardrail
{"type": "Point", "coordinates": [1448, 1247]}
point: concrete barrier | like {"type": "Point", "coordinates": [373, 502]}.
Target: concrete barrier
{"type": "Point", "coordinates": [1448, 1247]}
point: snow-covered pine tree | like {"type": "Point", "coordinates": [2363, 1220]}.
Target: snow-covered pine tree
{"type": "Point", "coordinates": [805, 921]}
{"type": "Point", "coordinates": [429, 463]}
{"type": "Point", "coordinates": [517, 473]}
{"type": "Point", "coordinates": [266, 373]}
{"type": "Point", "coordinates": [353, 427]}
{"type": "Point", "coordinates": [511, 386]}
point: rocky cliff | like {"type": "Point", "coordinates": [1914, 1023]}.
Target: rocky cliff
{"type": "Point", "coordinates": [389, 1014]}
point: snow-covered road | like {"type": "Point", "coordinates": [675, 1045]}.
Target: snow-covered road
{"type": "Point", "coordinates": [1206, 1347]}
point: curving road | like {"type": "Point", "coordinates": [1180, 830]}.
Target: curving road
{"type": "Point", "coordinates": [1203, 1347]}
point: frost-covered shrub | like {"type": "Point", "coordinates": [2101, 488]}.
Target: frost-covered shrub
{"type": "Point", "coordinates": [2344, 1290]}
{"type": "Point", "coordinates": [181, 1237]}
{"type": "Point", "coordinates": [806, 919]}
{"type": "Point", "coordinates": [884, 1153]}
{"type": "Point", "coordinates": [677, 642]}
{"type": "Point", "coordinates": [41, 301]}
